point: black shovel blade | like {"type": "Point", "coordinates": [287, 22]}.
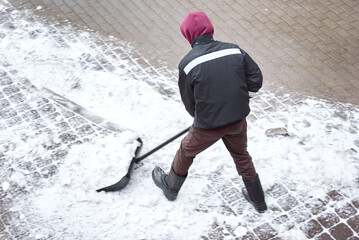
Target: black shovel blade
{"type": "Point", "coordinates": [117, 186]}
{"type": "Point", "coordinates": [125, 179]}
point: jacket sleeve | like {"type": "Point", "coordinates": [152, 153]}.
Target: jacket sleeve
{"type": "Point", "coordinates": [187, 93]}
{"type": "Point", "coordinates": [254, 76]}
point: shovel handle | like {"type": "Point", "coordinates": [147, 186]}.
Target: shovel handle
{"type": "Point", "coordinates": [140, 158]}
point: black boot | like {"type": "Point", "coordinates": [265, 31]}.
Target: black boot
{"type": "Point", "coordinates": [170, 184]}
{"type": "Point", "coordinates": [253, 193]}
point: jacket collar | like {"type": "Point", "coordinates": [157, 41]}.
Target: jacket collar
{"type": "Point", "coordinates": [202, 39]}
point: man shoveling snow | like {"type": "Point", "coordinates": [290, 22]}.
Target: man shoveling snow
{"type": "Point", "coordinates": [215, 79]}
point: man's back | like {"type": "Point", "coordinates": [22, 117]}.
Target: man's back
{"type": "Point", "coordinates": [213, 82]}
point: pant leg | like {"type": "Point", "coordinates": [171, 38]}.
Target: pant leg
{"type": "Point", "coordinates": [192, 144]}
{"type": "Point", "coordinates": [236, 142]}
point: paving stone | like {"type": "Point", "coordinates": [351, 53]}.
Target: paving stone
{"type": "Point", "coordinates": [324, 236]}
{"type": "Point", "coordinates": [346, 211]}
{"type": "Point", "coordinates": [17, 98]}
{"type": "Point", "coordinates": [5, 236]}
{"type": "Point", "coordinates": [226, 210]}
{"type": "Point", "coordinates": [17, 190]}
{"type": "Point", "coordinates": [42, 162]}
{"type": "Point", "coordinates": [34, 179]}
{"type": "Point", "coordinates": [8, 113]}
{"type": "Point", "coordinates": [85, 130]}
{"type": "Point", "coordinates": [328, 219]}
{"type": "Point", "coordinates": [276, 209]}
{"type": "Point", "coordinates": [341, 232]}
{"type": "Point", "coordinates": [218, 233]}
{"type": "Point", "coordinates": [202, 208]}
{"type": "Point", "coordinates": [63, 126]}
{"type": "Point", "coordinates": [47, 109]}
{"type": "Point", "coordinates": [59, 154]}
{"type": "Point", "coordinates": [41, 102]}
{"type": "Point", "coordinates": [50, 145]}
{"type": "Point", "coordinates": [312, 228]}
{"type": "Point", "coordinates": [229, 229]}
{"type": "Point", "coordinates": [265, 231]}
{"type": "Point", "coordinates": [353, 222]}
{"type": "Point", "coordinates": [231, 194]}
{"type": "Point", "coordinates": [335, 195]}
{"type": "Point", "coordinates": [77, 121]}
{"type": "Point", "coordinates": [287, 202]}
{"type": "Point", "coordinates": [27, 166]}
{"type": "Point", "coordinates": [316, 206]}
{"type": "Point", "coordinates": [239, 206]}
{"type": "Point", "coordinates": [78, 142]}
{"type": "Point", "coordinates": [68, 137]}
{"type": "Point", "coordinates": [356, 201]}
{"type": "Point", "coordinates": [247, 236]}
{"type": "Point", "coordinates": [5, 204]}
{"type": "Point", "coordinates": [38, 124]}
{"type": "Point", "coordinates": [11, 90]}
{"type": "Point", "coordinates": [23, 107]}
{"type": "Point", "coordinates": [19, 230]}
{"type": "Point", "coordinates": [31, 115]}
{"type": "Point", "coordinates": [5, 80]}
{"type": "Point", "coordinates": [14, 121]}
{"type": "Point", "coordinates": [49, 171]}
{"type": "Point", "coordinates": [277, 190]}
{"type": "Point", "coordinates": [10, 216]}
{"type": "Point", "coordinates": [283, 222]}
{"type": "Point", "coordinates": [4, 103]}
{"type": "Point", "coordinates": [56, 117]}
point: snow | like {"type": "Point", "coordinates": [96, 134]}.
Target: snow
{"type": "Point", "coordinates": [5, 186]}
{"type": "Point", "coordinates": [318, 138]}
{"type": "Point", "coordinates": [319, 154]}
{"type": "Point", "coordinates": [83, 162]}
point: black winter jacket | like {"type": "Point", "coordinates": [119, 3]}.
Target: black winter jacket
{"type": "Point", "coordinates": [214, 81]}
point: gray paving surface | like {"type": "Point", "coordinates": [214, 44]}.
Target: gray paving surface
{"type": "Point", "coordinates": [305, 47]}
{"type": "Point", "coordinates": [333, 217]}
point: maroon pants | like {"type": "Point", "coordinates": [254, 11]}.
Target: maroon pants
{"type": "Point", "coordinates": [235, 140]}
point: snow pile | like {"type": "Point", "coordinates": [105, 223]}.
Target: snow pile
{"type": "Point", "coordinates": [85, 171]}
{"type": "Point", "coordinates": [320, 152]}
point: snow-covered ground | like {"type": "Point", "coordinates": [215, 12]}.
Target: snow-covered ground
{"type": "Point", "coordinates": [98, 73]}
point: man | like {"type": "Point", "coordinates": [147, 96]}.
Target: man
{"type": "Point", "coordinates": [215, 79]}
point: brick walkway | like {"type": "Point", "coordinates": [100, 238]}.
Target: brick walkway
{"type": "Point", "coordinates": [300, 41]}
{"type": "Point", "coordinates": [305, 46]}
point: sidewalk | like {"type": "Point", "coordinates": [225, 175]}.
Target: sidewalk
{"type": "Point", "coordinates": [306, 46]}
{"type": "Point", "coordinates": [38, 133]}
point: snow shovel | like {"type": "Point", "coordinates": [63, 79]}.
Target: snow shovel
{"type": "Point", "coordinates": [136, 159]}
